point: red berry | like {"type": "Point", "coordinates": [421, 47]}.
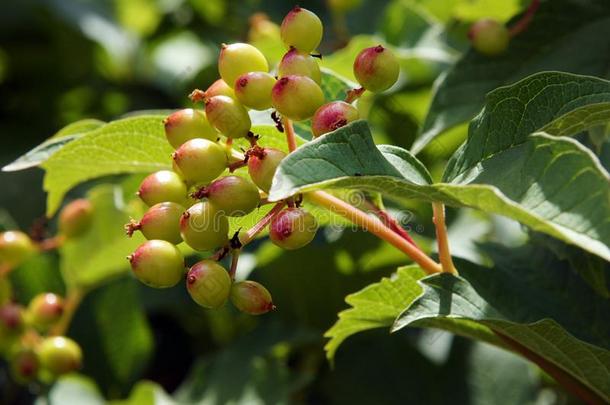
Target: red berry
{"type": "Point", "coordinates": [24, 365]}
{"type": "Point", "coordinates": [200, 160]}
{"type": "Point", "coordinates": [187, 124]}
{"type": "Point", "coordinates": [228, 116]}
{"type": "Point", "coordinates": [15, 248]}
{"type": "Point", "coordinates": [75, 218]}
{"type": "Point", "coordinates": [299, 64]}
{"type": "Point", "coordinates": [376, 68]}
{"type": "Point", "coordinates": [161, 221]}
{"type": "Point", "coordinates": [253, 89]}
{"type": "Point", "coordinates": [297, 97]}
{"type": "Point", "coordinates": [251, 297]}
{"type": "Point", "coordinates": [262, 166]}
{"type": "Point", "coordinates": [60, 355]}
{"type": "Point", "coordinates": [209, 284]}
{"type": "Point", "coordinates": [45, 309]}
{"type": "Point", "coordinates": [237, 59]}
{"type": "Point", "coordinates": [489, 36]}
{"type": "Point", "coordinates": [332, 116]}
{"type": "Point", "coordinates": [233, 195]}
{"type": "Point", "coordinates": [301, 29]}
{"type": "Point", "coordinates": [157, 263]}
{"type": "Point", "coordinates": [204, 227]}
{"type": "Point", "coordinates": [219, 88]}
{"type": "Point", "coordinates": [162, 186]}
{"type": "Point", "coordinates": [11, 319]}
{"type": "Point", "coordinates": [293, 228]}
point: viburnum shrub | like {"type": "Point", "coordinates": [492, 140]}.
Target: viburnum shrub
{"type": "Point", "coordinates": [278, 147]}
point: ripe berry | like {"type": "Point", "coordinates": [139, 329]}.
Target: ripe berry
{"type": "Point", "coordinates": [187, 124]}
{"type": "Point", "coordinates": [251, 297]}
{"type": "Point", "coordinates": [297, 97]}
{"type": "Point", "coordinates": [301, 29]}
{"type": "Point", "coordinates": [60, 355]}
{"type": "Point", "coordinates": [219, 88]}
{"type": "Point", "coordinates": [228, 116]}
{"type": "Point", "coordinates": [209, 284]}
{"type": "Point", "coordinates": [200, 160]}
{"type": "Point", "coordinates": [75, 218]}
{"type": "Point", "coordinates": [489, 36]}
{"type": "Point", "coordinates": [162, 186]}
{"type": "Point", "coordinates": [15, 248]}
{"type": "Point", "coordinates": [157, 263]}
{"type": "Point", "coordinates": [262, 166]}
{"type": "Point", "coordinates": [253, 89]}
{"type": "Point", "coordinates": [293, 228]}
{"type": "Point", "coordinates": [204, 227]}
{"type": "Point", "coordinates": [11, 320]}
{"type": "Point", "coordinates": [161, 221]}
{"type": "Point", "coordinates": [332, 116]}
{"type": "Point", "coordinates": [299, 64]}
{"type": "Point", "coordinates": [376, 68]}
{"type": "Point", "coordinates": [45, 309]}
{"type": "Point", "coordinates": [237, 59]}
{"type": "Point", "coordinates": [24, 364]}
{"type": "Point", "coordinates": [233, 195]}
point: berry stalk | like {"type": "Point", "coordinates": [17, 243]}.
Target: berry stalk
{"type": "Point", "coordinates": [290, 135]}
{"type": "Point", "coordinates": [260, 225]}
{"type": "Point", "coordinates": [438, 210]}
{"type": "Point", "coordinates": [71, 303]}
{"type": "Point", "coordinates": [525, 21]}
{"type": "Point", "coordinates": [391, 223]}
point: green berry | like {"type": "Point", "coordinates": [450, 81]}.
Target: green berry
{"type": "Point", "coordinates": [204, 227]}
{"type": "Point", "coordinates": [376, 68]}
{"type": "Point", "coordinates": [209, 284]}
{"type": "Point", "coordinates": [161, 221]}
{"type": "Point", "coordinates": [301, 29]}
{"type": "Point", "coordinates": [293, 228]}
{"type": "Point", "coordinates": [15, 248]}
{"type": "Point", "coordinates": [237, 59]}
{"type": "Point", "coordinates": [489, 37]}
{"type": "Point", "coordinates": [219, 88]}
{"type": "Point", "coordinates": [299, 64]}
{"type": "Point", "coordinates": [187, 124]}
{"type": "Point", "coordinates": [75, 218]}
{"type": "Point", "coordinates": [162, 186]}
{"type": "Point", "coordinates": [253, 89]}
{"type": "Point", "coordinates": [233, 195]}
{"type": "Point", "coordinates": [45, 310]}
{"type": "Point", "coordinates": [251, 297]}
{"type": "Point", "coordinates": [262, 165]}
{"type": "Point", "coordinates": [200, 160]}
{"type": "Point", "coordinates": [60, 355]}
{"type": "Point", "coordinates": [157, 263]}
{"type": "Point", "coordinates": [228, 116]}
{"type": "Point", "coordinates": [297, 97]}
{"type": "Point", "coordinates": [332, 116]}
{"type": "Point", "coordinates": [24, 365]}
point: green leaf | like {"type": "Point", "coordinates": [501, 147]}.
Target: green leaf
{"type": "Point", "coordinates": [375, 306]}
{"type": "Point", "coordinates": [550, 42]}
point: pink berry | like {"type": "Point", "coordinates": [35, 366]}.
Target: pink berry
{"type": "Point", "coordinates": [161, 186]}
{"type": "Point", "coordinates": [219, 88]}
{"type": "Point", "coordinates": [332, 116]}
{"type": "Point", "coordinates": [301, 29]}
{"type": "Point", "coordinates": [489, 36]}
{"type": "Point", "coordinates": [157, 263]}
{"type": "Point", "coordinates": [233, 195]}
{"type": "Point", "coordinates": [45, 309]}
{"type": "Point", "coordinates": [204, 227]}
{"type": "Point", "coordinates": [209, 284]}
{"type": "Point", "coordinates": [187, 124]}
{"type": "Point", "coordinates": [299, 64]}
{"type": "Point", "coordinates": [262, 166]}
{"type": "Point", "coordinates": [251, 298]}
{"type": "Point", "coordinates": [228, 116]}
{"type": "Point", "coordinates": [293, 228]}
{"type": "Point", "coordinates": [75, 218]}
{"type": "Point", "coordinates": [161, 221]}
{"type": "Point", "coordinates": [253, 89]}
{"type": "Point", "coordinates": [376, 68]}
{"type": "Point", "coordinates": [200, 160]}
{"type": "Point", "coordinates": [297, 97]}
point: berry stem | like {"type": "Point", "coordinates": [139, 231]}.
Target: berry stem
{"type": "Point", "coordinates": [525, 20]}
{"type": "Point", "coordinates": [354, 94]}
{"type": "Point", "coordinates": [260, 225]}
{"type": "Point", "coordinates": [438, 210]}
{"type": "Point", "coordinates": [51, 243]}
{"type": "Point", "coordinates": [290, 135]}
{"type": "Point", "coordinates": [391, 223]}
{"type": "Point", "coordinates": [71, 303]}
{"type": "Point", "coordinates": [374, 226]}
{"type": "Point", "coordinates": [234, 261]}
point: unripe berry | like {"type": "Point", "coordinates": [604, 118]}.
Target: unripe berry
{"type": "Point", "coordinates": [228, 116]}
{"type": "Point", "coordinates": [60, 355]}
{"type": "Point", "coordinates": [24, 364]}
{"type": "Point", "coordinates": [253, 89]}
{"type": "Point", "coordinates": [237, 59]}
{"type": "Point", "coordinates": [376, 68]}
{"type": "Point", "coordinates": [204, 227]}
{"type": "Point", "coordinates": [489, 36]}
{"type": "Point", "coordinates": [297, 97]}
{"type": "Point", "coordinates": [332, 116]}
{"type": "Point", "coordinates": [233, 195]}
{"type": "Point", "coordinates": [293, 228]}
{"type": "Point", "coordinates": [11, 320]}
{"type": "Point", "coordinates": [200, 160]}
{"type": "Point", "coordinates": [262, 166]}
{"type": "Point", "coordinates": [157, 263]}
{"type": "Point", "coordinates": [161, 186]}
{"type": "Point", "coordinates": [251, 297]}
{"type": "Point", "coordinates": [209, 284]}
{"type": "Point", "coordinates": [262, 29]}
{"type": "Point", "coordinates": [161, 221]}
{"type": "Point", "coordinates": [44, 310]}
{"type": "Point", "coordinates": [75, 218]}
{"type": "Point", "coordinates": [301, 29]}
{"type": "Point", "coordinates": [219, 88]}
{"type": "Point", "coordinates": [15, 248]}
{"type": "Point", "coordinates": [187, 124]}
{"type": "Point", "coordinates": [299, 64]}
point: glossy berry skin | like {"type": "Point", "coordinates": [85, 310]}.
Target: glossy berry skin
{"type": "Point", "coordinates": [24, 364]}
{"type": "Point", "coordinates": [219, 88]}
{"type": "Point", "coordinates": [200, 161]}
{"type": "Point", "coordinates": [15, 248]}
{"type": "Point", "coordinates": [187, 124]}
{"type": "Point", "coordinates": [253, 89]}
{"type": "Point", "coordinates": [293, 228]}
{"type": "Point", "coordinates": [209, 284]}
{"type": "Point", "coordinates": [162, 221]}
{"type": "Point", "coordinates": [237, 59]}
{"type": "Point", "coordinates": [233, 195]}
{"type": "Point", "coordinates": [251, 298]}
{"type": "Point", "coordinates": [297, 97]}
{"type": "Point", "coordinates": [299, 64]}
{"type": "Point", "coordinates": [161, 186]}
{"type": "Point", "coordinates": [489, 37]}
{"type": "Point", "coordinates": [44, 310]}
{"type": "Point", "coordinates": [60, 355]}
{"type": "Point", "coordinates": [228, 116]}
{"type": "Point", "coordinates": [332, 116]}
{"type": "Point", "coordinates": [157, 263]}
{"type": "Point", "coordinates": [301, 29]}
{"type": "Point", "coordinates": [376, 68]}
{"type": "Point", "coordinates": [75, 218]}
{"type": "Point", "coordinates": [204, 227]}
{"type": "Point", "coordinates": [261, 167]}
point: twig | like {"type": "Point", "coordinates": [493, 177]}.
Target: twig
{"type": "Point", "coordinates": [71, 304]}
{"type": "Point", "coordinates": [290, 135]}
{"type": "Point", "coordinates": [525, 20]}
{"type": "Point", "coordinates": [442, 239]}
{"type": "Point", "coordinates": [260, 225]}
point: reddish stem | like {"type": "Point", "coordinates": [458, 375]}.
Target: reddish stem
{"type": "Point", "coordinates": [354, 94]}
{"type": "Point", "coordinates": [51, 243]}
{"type": "Point", "coordinates": [525, 20]}
{"type": "Point", "coordinates": [262, 224]}
{"type": "Point", "coordinates": [391, 223]}
{"type": "Point", "coordinates": [290, 135]}
{"type": "Point", "coordinates": [234, 261]}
